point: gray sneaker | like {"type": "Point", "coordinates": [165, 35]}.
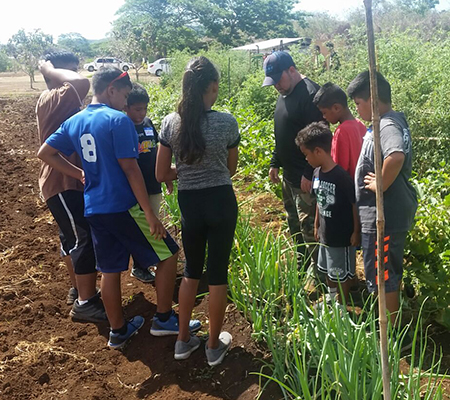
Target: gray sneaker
{"type": "Point", "coordinates": [216, 356]}
{"type": "Point", "coordinates": [92, 311]}
{"type": "Point", "coordinates": [184, 349]}
{"type": "Point", "coordinates": [72, 295]}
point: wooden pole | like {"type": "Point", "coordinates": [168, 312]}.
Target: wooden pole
{"type": "Point", "coordinates": [379, 202]}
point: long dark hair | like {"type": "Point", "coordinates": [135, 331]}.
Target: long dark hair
{"type": "Point", "coordinates": [199, 74]}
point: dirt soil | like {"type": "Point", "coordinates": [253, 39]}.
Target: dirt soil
{"type": "Point", "coordinates": [43, 354]}
{"type": "Point", "coordinates": [18, 83]}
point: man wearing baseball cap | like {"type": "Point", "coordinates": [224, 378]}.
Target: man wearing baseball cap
{"type": "Point", "coordinates": [294, 111]}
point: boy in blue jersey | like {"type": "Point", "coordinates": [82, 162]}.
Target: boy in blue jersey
{"type": "Point", "coordinates": [116, 202]}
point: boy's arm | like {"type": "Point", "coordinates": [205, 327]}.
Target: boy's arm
{"type": "Point", "coordinates": [169, 187]}
{"type": "Point", "coordinates": [57, 76]}
{"type": "Point", "coordinates": [392, 166]}
{"type": "Point", "coordinates": [134, 175]}
{"type": "Point", "coordinates": [316, 224]}
{"type": "Point", "coordinates": [232, 161]}
{"type": "Point", "coordinates": [355, 239]}
{"type": "Point", "coordinates": [164, 171]}
{"type": "Point", "coordinates": [52, 157]}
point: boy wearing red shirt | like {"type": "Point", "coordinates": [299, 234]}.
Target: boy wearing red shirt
{"type": "Point", "coordinates": [348, 136]}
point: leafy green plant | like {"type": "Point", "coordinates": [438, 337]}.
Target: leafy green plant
{"type": "Point", "coordinates": [252, 96]}
{"type": "Point", "coordinates": [428, 245]}
{"type": "Point", "coordinates": [162, 102]}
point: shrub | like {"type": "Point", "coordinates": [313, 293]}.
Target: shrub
{"type": "Point", "coordinates": [428, 246]}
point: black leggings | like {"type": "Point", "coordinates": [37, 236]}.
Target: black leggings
{"type": "Point", "coordinates": [208, 217]}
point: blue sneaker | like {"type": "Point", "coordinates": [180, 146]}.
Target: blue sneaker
{"type": "Point", "coordinates": [118, 341]}
{"type": "Point", "coordinates": [170, 327]}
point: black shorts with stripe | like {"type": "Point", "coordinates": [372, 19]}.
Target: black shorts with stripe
{"type": "Point", "coordinates": [74, 232]}
{"type": "Point", "coordinates": [393, 248]}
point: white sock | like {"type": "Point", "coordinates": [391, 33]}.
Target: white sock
{"type": "Point", "coordinates": [82, 302]}
{"type": "Point", "coordinates": [332, 293]}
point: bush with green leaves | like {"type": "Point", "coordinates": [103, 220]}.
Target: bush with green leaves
{"type": "Point", "coordinates": [428, 245]}
{"type": "Point", "coordinates": [233, 67]}
{"type": "Point", "coordinates": [163, 101]}
{"type": "Point", "coordinates": [417, 71]}
{"type": "Point", "coordinates": [5, 61]}
{"type": "Point", "coordinates": [251, 95]}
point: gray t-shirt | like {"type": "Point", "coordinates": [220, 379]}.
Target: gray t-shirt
{"type": "Point", "coordinates": [400, 200]}
{"type": "Point", "coordinates": [221, 132]}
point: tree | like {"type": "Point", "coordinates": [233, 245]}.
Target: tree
{"type": "Point", "coordinates": [76, 43]}
{"type": "Point", "coordinates": [28, 48]}
{"type": "Point", "coordinates": [417, 6]}
{"type": "Point", "coordinates": [102, 47]}
{"type": "Point", "coordinates": [160, 26]}
{"type": "Point", "coordinates": [128, 43]}
{"type": "Point", "coordinates": [5, 62]}
{"type": "Point", "coordinates": [323, 26]}
{"type": "Point", "coordinates": [233, 23]}
{"type": "Point", "coordinates": [156, 26]}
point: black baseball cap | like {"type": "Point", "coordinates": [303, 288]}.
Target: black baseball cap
{"type": "Point", "coordinates": [274, 65]}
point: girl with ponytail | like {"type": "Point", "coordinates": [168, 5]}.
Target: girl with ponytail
{"type": "Point", "coordinates": [204, 143]}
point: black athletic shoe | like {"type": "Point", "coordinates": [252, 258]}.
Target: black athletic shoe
{"type": "Point", "coordinates": [143, 275]}
{"type": "Point", "coordinates": [92, 311]}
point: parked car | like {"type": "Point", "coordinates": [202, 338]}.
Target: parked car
{"type": "Point", "coordinates": [106, 61]}
{"type": "Point", "coordinates": [159, 66]}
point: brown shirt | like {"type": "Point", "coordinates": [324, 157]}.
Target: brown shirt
{"type": "Point", "coordinates": [52, 109]}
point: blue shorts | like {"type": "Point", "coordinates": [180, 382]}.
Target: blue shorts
{"type": "Point", "coordinates": [117, 236]}
{"type": "Point", "coordinates": [394, 246]}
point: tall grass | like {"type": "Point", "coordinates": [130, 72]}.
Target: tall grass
{"type": "Point", "coordinates": [318, 354]}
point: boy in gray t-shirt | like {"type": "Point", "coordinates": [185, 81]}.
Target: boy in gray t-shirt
{"type": "Point", "coordinates": [400, 201]}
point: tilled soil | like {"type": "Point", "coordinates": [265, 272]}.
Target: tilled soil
{"type": "Point", "coordinates": [43, 354]}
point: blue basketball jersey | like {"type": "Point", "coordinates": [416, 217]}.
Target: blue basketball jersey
{"type": "Point", "coordinates": [101, 136]}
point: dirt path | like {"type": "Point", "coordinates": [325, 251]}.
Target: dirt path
{"type": "Point", "coordinates": [43, 354]}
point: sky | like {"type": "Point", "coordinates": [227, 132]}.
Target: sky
{"type": "Point", "coordinates": [93, 18]}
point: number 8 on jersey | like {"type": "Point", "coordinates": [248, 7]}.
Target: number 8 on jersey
{"type": "Point", "coordinates": [88, 147]}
